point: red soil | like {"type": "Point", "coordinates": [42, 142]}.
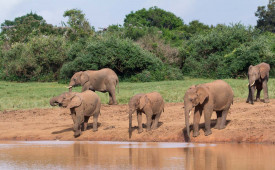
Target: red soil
{"type": "Point", "coordinates": [246, 123]}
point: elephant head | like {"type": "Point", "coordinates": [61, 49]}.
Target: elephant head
{"type": "Point", "coordinates": [136, 103]}
{"type": "Point", "coordinates": [257, 72]}
{"type": "Point", "coordinates": [79, 78]}
{"type": "Point", "coordinates": [67, 99]}
{"type": "Point", "coordinates": [194, 96]}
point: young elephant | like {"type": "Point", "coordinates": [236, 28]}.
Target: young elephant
{"type": "Point", "coordinates": [82, 106]}
{"type": "Point", "coordinates": [151, 104]}
{"type": "Point", "coordinates": [104, 80]}
{"type": "Point", "coordinates": [215, 96]}
{"type": "Point", "coordinates": [258, 77]}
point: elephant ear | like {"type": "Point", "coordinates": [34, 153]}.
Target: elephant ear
{"type": "Point", "coordinates": [264, 71]}
{"type": "Point", "coordinates": [83, 78]}
{"type": "Point", "coordinates": [202, 94]}
{"type": "Point", "coordinates": [143, 101]}
{"type": "Point", "coordinates": [75, 102]}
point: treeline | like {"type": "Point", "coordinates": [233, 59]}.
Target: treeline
{"type": "Point", "coordinates": [151, 45]}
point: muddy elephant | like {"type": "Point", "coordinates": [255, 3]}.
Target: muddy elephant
{"type": "Point", "coordinates": [104, 80]}
{"type": "Point", "coordinates": [258, 76]}
{"type": "Point", "coordinates": [82, 106]}
{"type": "Point", "coordinates": [215, 96]}
{"type": "Point", "coordinates": [151, 104]}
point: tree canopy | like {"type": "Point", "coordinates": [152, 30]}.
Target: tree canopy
{"type": "Point", "coordinates": [266, 17]}
{"type": "Point", "coordinates": [154, 16]}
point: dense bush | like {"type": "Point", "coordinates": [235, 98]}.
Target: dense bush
{"type": "Point", "coordinates": [38, 60]}
{"type": "Point", "coordinates": [125, 57]}
{"type": "Point", "coordinates": [226, 52]}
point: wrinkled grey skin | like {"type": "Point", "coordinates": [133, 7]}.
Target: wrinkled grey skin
{"type": "Point", "coordinates": [104, 80]}
{"type": "Point", "coordinates": [151, 104]}
{"type": "Point", "coordinates": [82, 106]}
{"type": "Point", "coordinates": [215, 96]}
{"type": "Point", "coordinates": [258, 77]}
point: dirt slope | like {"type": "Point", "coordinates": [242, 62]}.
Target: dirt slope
{"type": "Point", "coordinates": [246, 123]}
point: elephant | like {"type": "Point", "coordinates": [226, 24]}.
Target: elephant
{"type": "Point", "coordinates": [215, 96]}
{"type": "Point", "coordinates": [151, 104]}
{"type": "Point", "coordinates": [104, 80]}
{"type": "Point", "coordinates": [82, 106]}
{"type": "Point", "coordinates": [258, 76]}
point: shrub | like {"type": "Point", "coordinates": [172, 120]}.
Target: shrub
{"type": "Point", "coordinates": [125, 57]}
{"type": "Point", "coordinates": [38, 60]}
{"type": "Point", "coordinates": [226, 52]}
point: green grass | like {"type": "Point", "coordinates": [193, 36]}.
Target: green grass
{"type": "Point", "coordinates": [37, 95]}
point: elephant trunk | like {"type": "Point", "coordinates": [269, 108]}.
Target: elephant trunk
{"type": "Point", "coordinates": [53, 101]}
{"type": "Point", "coordinates": [187, 114]}
{"type": "Point", "coordinates": [130, 124]}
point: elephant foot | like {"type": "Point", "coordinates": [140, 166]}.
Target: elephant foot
{"type": "Point", "coordinates": [195, 134]}
{"type": "Point", "coordinates": [147, 130]}
{"type": "Point", "coordinates": [216, 127]}
{"type": "Point", "coordinates": [208, 132]}
{"type": "Point", "coordinates": [221, 127]}
{"type": "Point", "coordinates": [258, 100]}
{"type": "Point", "coordinates": [266, 100]}
{"type": "Point", "coordinates": [140, 131]}
{"type": "Point", "coordinates": [77, 134]}
{"type": "Point", "coordinates": [94, 130]}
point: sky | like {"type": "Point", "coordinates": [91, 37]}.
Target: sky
{"type": "Point", "coordinates": [102, 13]}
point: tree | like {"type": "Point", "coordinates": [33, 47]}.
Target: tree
{"type": "Point", "coordinates": [266, 17]}
{"type": "Point", "coordinates": [153, 17]}
{"type": "Point", "coordinates": [80, 26]}
{"type": "Point", "coordinates": [23, 28]}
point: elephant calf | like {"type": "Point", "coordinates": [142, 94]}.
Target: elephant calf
{"type": "Point", "coordinates": [151, 104]}
{"type": "Point", "coordinates": [258, 76]}
{"type": "Point", "coordinates": [215, 96]}
{"type": "Point", "coordinates": [82, 106]}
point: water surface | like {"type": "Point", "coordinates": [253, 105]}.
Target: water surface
{"type": "Point", "coordinates": [135, 155]}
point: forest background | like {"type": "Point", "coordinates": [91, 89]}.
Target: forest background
{"type": "Point", "coordinates": [151, 45]}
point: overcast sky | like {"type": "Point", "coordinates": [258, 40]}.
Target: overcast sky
{"type": "Point", "coordinates": [102, 13]}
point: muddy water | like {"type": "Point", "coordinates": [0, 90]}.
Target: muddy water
{"type": "Point", "coordinates": [124, 155]}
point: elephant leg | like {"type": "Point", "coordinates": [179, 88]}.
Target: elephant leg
{"type": "Point", "coordinates": [112, 96]}
{"type": "Point", "coordinates": [85, 87]}
{"type": "Point", "coordinates": [258, 95]}
{"type": "Point", "coordinates": [219, 118]}
{"type": "Point", "coordinates": [86, 119]}
{"type": "Point", "coordinates": [95, 118]}
{"type": "Point", "coordinates": [77, 124]}
{"type": "Point", "coordinates": [224, 115]}
{"type": "Point", "coordinates": [149, 121]}
{"type": "Point", "coordinates": [196, 122]}
{"type": "Point", "coordinates": [139, 118]}
{"type": "Point", "coordinates": [156, 121]}
{"type": "Point", "coordinates": [266, 98]}
{"type": "Point", "coordinates": [207, 119]}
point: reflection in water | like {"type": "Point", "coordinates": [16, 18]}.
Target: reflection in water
{"type": "Point", "coordinates": [125, 155]}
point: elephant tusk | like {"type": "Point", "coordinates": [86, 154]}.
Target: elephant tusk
{"type": "Point", "coordinates": [69, 87]}
{"type": "Point", "coordinates": [252, 84]}
{"type": "Point", "coordinates": [189, 113]}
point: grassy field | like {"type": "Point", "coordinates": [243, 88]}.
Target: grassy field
{"type": "Point", "coordinates": [37, 95]}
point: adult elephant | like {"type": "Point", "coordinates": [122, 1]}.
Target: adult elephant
{"type": "Point", "coordinates": [104, 80]}
{"type": "Point", "coordinates": [82, 106]}
{"type": "Point", "coordinates": [258, 76]}
{"type": "Point", "coordinates": [151, 104]}
{"type": "Point", "coordinates": [215, 96]}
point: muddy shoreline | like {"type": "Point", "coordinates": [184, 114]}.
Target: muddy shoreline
{"type": "Point", "coordinates": [245, 124]}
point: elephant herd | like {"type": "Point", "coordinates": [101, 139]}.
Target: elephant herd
{"type": "Point", "coordinates": [204, 98]}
